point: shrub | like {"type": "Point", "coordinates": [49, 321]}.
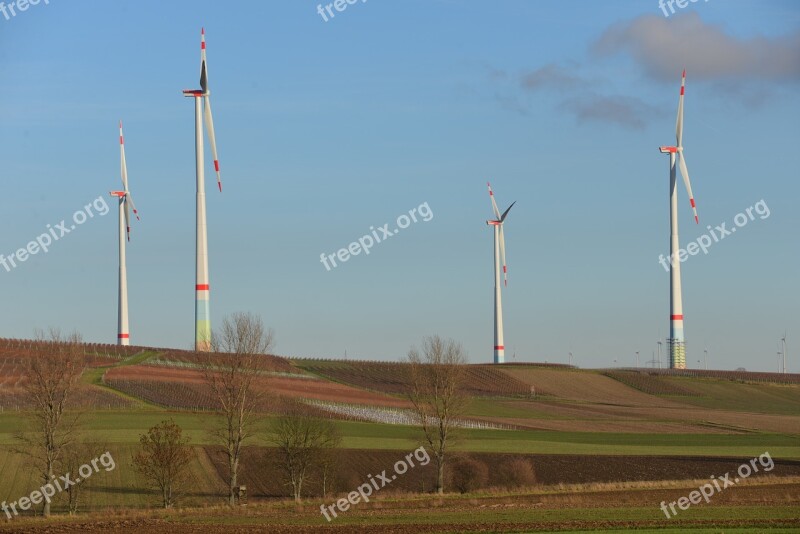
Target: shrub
{"type": "Point", "coordinates": [516, 472]}
{"type": "Point", "coordinates": [468, 474]}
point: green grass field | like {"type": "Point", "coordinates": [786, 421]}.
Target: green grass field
{"type": "Point", "coordinates": [126, 427]}
{"type": "Point", "coordinates": [753, 398]}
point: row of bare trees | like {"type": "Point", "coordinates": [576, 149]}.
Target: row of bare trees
{"type": "Point", "coordinates": [436, 391]}
{"type": "Point", "coordinates": [303, 444]}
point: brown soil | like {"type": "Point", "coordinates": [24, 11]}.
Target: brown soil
{"type": "Point", "coordinates": [281, 386]}
{"type": "Point", "coordinates": [274, 518]}
{"type": "Point", "coordinates": [354, 466]}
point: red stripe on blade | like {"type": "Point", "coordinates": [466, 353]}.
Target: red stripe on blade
{"type": "Point", "coordinates": [216, 165]}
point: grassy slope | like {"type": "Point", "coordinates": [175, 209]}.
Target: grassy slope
{"type": "Point", "coordinates": [94, 377]}
{"type": "Point", "coordinates": [727, 395]}
{"type": "Point", "coordinates": [120, 487]}
{"type": "Point", "coordinates": [125, 427]}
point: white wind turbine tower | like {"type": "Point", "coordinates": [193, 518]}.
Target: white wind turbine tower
{"type": "Point", "coordinates": [202, 110]}
{"type": "Point", "coordinates": [499, 253]}
{"type": "Point", "coordinates": [676, 341]}
{"type": "Point", "coordinates": [125, 206]}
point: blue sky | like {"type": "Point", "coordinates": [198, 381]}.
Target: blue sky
{"type": "Point", "coordinates": [327, 128]}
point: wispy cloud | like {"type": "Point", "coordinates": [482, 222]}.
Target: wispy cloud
{"type": "Point", "coordinates": [551, 76]}
{"type": "Point", "coordinates": [626, 111]}
{"type": "Point", "coordinates": [662, 47]}
{"type": "Point", "coordinates": [742, 70]}
{"type": "Point", "coordinates": [578, 96]}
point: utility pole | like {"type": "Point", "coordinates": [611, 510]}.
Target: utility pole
{"type": "Point", "coordinates": [659, 354]}
{"type": "Point", "coordinates": [637, 359]}
{"type": "Point", "coordinates": [705, 358]}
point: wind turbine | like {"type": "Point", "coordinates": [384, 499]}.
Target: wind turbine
{"type": "Point", "coordinates": [125, 206]}
{"type": "Point", "coordinates": [499, 252]}
{"type": "Point", "coordinates": [202, 110]}
{"type": "Point", "coordinates": [783, 339]}
{"type": "Point", "coordinates": [676, 341]}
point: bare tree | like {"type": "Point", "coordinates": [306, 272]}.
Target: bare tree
{"type": "Point", "coordinates": [329, 464]}
{"type": "Point", "coordinates": [436, 391]}
{"type": "Point", "coordinates": [163, 459]}
{"type": "Point", "coordinates": [304, 444]}
{"type": "Point", "coordinates": [231, 380]}
{"type": "Point", "coordinates": [50, 378]}
{"type": "Point", "coordinates": [73, 457]}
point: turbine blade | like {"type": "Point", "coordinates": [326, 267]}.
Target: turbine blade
{"type": "Point", "coordinates": [203, 78]}
{"type": "Point", "coordinates": [688, 183]}
{"type": "Point", "coordinates": [124, 173]}
{"type": "Point", "coordinates": [494, 203]}
{"type": "Point", "coordinates": [129, 199]}
{"type": "Point", "coordinates": [503, 255]}
{"type": "Point", "coordinates": [123, 165]}
{"type": "Point", "coordinates": [127, 216]}
{"type": "Point", "coordinates": [203, 68]}
{"type": "Point", "coordinates": [503, 217]}
{"type": "Point", "coordinates": [212, 139]}
{"type": "Point", "coordinates": [679, 122]}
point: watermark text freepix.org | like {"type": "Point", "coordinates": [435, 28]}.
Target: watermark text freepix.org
{"type": "Point", "coordinates": [338, 5]}
{"type": "Point", "coordinates": [54, 233]}
{"type": "Point", "coordinates": [662, 4]}
{"type": "Point", "coordinates": [716, 235]}
{"type": "Point", "coordinates": [11, 9]}
{"type": "Point", "coordinates": [377, 236]}
{"type": "Point", "coordinates": [48, 491]}
{"type": "Point", "coordinates": [364, 491]}
{"type": "Point", "coordinates": [707, 490]}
